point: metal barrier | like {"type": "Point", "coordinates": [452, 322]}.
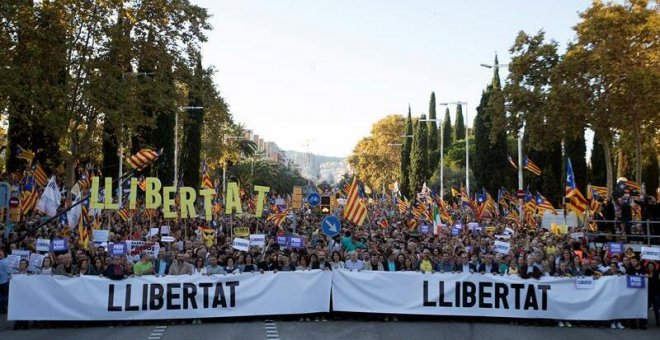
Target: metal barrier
{"type": "Point", "coordinates": [647, 223]}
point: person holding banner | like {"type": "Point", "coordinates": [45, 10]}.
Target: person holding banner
{"type": "Point", "coordinates": [115, 270]}
{"type": "Point", "coordinates": [181, 266]}
{"type": "Point", "coordinates": [144, 266]}
{"type": "Point", "coordinates": [46, 267]}
{"type": "Point", "coordinates": [66, 267]}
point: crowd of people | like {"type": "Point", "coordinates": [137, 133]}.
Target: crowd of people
{"type": "Point", "coordinates": [386, 242]}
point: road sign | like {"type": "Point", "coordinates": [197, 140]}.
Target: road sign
{"type": "Point", "coordinates": [313, 199]}
{"type": "Point", "coordinates": [331, 225]}
{"type": "Point", "coordinates": [521, 194]}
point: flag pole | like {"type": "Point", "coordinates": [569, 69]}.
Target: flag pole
{"type": "Point", "coordinates": [57, 216]}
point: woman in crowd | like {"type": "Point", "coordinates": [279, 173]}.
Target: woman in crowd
{"type": "Point", "coordinates": [230, 268]}
{"type": "Point", "coordinates": [336, 262]}
{"type": "Point", "coordinates": [46, 267]}
{"type": "Point", "coordinates": [302, 263]}
{"type": "Point", "coordinates": [199, 268]}
{"type": "Point", "coordinates": [249, 266]}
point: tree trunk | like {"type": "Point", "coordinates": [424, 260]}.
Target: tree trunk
{"type": "Point", "coordinates": [638, 153]}
{"type": "Point", "coordinates": [609, 168]}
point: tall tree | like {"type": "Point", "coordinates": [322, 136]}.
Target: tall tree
{"type": "Point", "coordinates": [404, 181]}
{"type": "Point", "coordinates": [651, 174]}
{"type": "Point", "coordinates": [374, 160]}
{"type": "Point", "coordinates": [490, 160]}
{"type": "Point", "coordinates": [433, 147]}
{"type": "Point", "coordinates": [597, 166]}
{"type": "Point", "coordinates": [192, 129]}
{"type": "Point", "coordinates": [419, 159]}
{"type": "Point", "coordinates": [576, 150]}
{"type": "Point", "coordinates": [460, 124]}
{"type": "Point", "coordinates": [447, 131]}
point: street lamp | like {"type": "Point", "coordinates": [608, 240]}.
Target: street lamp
{"type": "Point", "coordinates": [176, 140]}
{"type": "Point", "coordinates": [467, 145]}
{"type": "Point", "coordinates": [520, 168]}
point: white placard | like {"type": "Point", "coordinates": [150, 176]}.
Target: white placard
{"type": "Point", "coordinates": [13, 260]}
{"type": "Point", "coordinates": [258, 240]}
{"type": "Point", "coordinates": [241, 244]}
{"type": "Point", "coordinates": [577, 235]}
{"type": "Point", "coordinates": [584, 282]}
{"type": "Point", "coordinates": [164, 230]}
{"type": "Point", "coordinates": [24, 254]}
{"type": "Point", "coordinates": [153, 231]}
{"type": "Point", "coordinates": [41, 297]}
{"type": "Point", "coordinates": [100, 236]}
{"type": "Point", "coordinates": [36, 260]}
{"type": "Point", "coordinates": [167, 239]}
{"type": "Point", "coordinates": [502, 247]}
{"type": "Point", "coordinates": [651, 253]}
{"type": "Point", "coordinates": [508, 231]}
{"type": "Point", "coordinates": [43, 244]}
{"type": "Point", "coordinates": [504, 237]}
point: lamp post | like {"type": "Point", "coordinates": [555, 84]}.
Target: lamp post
{"type": "Point", "coordinates": [176, 140]}
{"type": "Point", "coordinates": [520, 161]}
{"type": "Point", "coordinates": [467, 145]}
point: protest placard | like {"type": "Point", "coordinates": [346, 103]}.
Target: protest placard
{"type": "Point", "coordinates": [281, 240]}
{"type": "Point", "coordinates": [615, 247]}
{"type": "Point", "coordinates": [100, 236]}
{"type": "Point", "coordinates": [24, 254]}
{"type": "Point", "coordinates": [36, 260]}
{"type": "Point", "coordinates": [258, 240]}
{"type": "Point", "coordinates": [118, 249]}
{"type": "Point", "coordinates": [296, 242]}
{"type": "Point", "coordinates": [61, 244]}
{"type": "Point", "coordinates": [634, 281]}
{"type": "Point", "coordinates": [43, 244]}
{"type": "Point", "coordinates": [577, 235]}
{"type": "Point", "coordinates": [13, 261]}
{"type": "Point", "coordinates": [153, 231]}
{"type": "Point", "coordinates": [164, 230]}
{"type": "Point", "coordinates": [651, 253]}
{"type": "Point", "coordinates": [502, 247]}
{"type": "Point", "coordinates": [241, 244]}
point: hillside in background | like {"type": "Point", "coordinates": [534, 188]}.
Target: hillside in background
{"type": "Point", "coordinates": [318, 168]}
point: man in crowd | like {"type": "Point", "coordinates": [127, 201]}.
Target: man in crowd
{"type": "Point", "coordinates": [181, 266]}
{"type": "Point", "coordinates": [144, 266]}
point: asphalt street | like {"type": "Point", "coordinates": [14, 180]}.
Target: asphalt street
{"type": "Point", "coordinates": [354, 327]}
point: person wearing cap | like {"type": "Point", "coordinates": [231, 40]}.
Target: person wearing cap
{"type": "Point", "coordinates": [144, 266]}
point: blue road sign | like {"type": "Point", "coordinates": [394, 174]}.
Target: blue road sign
{"type": "Point", "coordinates": [313, 199]}
{"type": "Point", "coordinates": [331, 225]}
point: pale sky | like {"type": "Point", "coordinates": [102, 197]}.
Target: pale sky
{"type": "Point", "coordinates": [326, 70]}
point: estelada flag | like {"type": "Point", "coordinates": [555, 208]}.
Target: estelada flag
{"type": "Point", "coordinates": [142, 158]}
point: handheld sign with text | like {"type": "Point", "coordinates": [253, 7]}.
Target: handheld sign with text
{"type": "Point", "coordinates": [168, 239]}
{"type": "Point", "coordinates": [424, 229]}
{"type": "Point", "coordinates": [577, 235]}
{"type": "Point", "coordinates": [100, 236]}
{"type": "Point", "coordinates": [59, 245]}
{"type": "Point", "coordinates": [651, 253]}
{"type": "Point", "coordinates": [455, 231]}
{"type": "Point", "coordinates": [43, 244]}
{"type": "Point", "coordinates": [165, 230]}
{"type": "Point", "coordinates": [258, 240]}
{"type": "Point", "coordinates": [502, 247]}
{"type": "Point", "coordinates": [634, 281]}
{"type": "Point", "coordinates": [331, 225]}
{"type": "Point", "coordinates": [13, 261]}
{"type": "Point", "coordinates": [281, 240]}
{"type": "Point", "coordinates": [296, 242]}
{"type": "Point", "coordinates": [475, 227]}
{"type": "Point", "coordinates": [36, 260]}
{"type": "Point", "coordinates": [313, 199]}
{"type": "Point", "coordinates": [615, 247]}
{"type": "Point", "coordinates": [24, 254]}
{"type": "Point", "coordinates": [118, 249]}
{"type": "Point", "coordinates": [585, 282]}
{"type": "Point", "coordinates": [241, 244]}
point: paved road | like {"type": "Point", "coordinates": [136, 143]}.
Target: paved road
{"type": "Point", "coordinates": [353, 328]}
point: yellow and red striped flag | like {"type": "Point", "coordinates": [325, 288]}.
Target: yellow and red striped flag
{"type": "Point", "coordinates": [40, 174]}
{"type": "Point", "coordinates": [24, 154]}
{"type": "Point", "coordinates": [207, 183]}
{"type": "Point", "coordinates": [125, 214]}
{"type": "Point", "coordinates": [355, 211]}
{"type": "Point", "coordinates": [531, 166]}
{"type": "Point", "coordinates": [29, 196]}
{"type": "Point", "coordinates": [142, 158]}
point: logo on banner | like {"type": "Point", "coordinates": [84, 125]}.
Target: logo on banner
{"type": "Point", "coordinates": [634, 281]}
{"type": "Point", "coordinates": [586, 282]}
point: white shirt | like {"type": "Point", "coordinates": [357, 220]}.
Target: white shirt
{"type": "Point", "coordinates": [354, 265]}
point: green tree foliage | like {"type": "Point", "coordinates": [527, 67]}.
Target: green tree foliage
{"type": "Point", "coordinates": [651, 174]}
{"type": "Point", "coordinates": [192, 128]}
{"type": "Point", "coordinates": [404, 175]}
{"type": "Point", "coordinates": [419, 159]}
{"type": "Point", "coordinates": [434, 146]}
{"type": "Point", "coordinates": [258, 171]}
{"type": "Point", "coordinates": [491, 168]}
{"type": "Point", "coordinates": [576, 150]}
{"type": "Point", "coordinates": [447, 131]}
{"type": "Point", "coordinates": [460, 124]}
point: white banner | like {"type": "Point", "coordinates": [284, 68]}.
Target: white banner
{"type": "Point", "coordinates": [485, 295]}
{"type": "Point", "coordinates": [45, 297]}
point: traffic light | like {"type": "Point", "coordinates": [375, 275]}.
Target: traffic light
{"type": "Point", "coordinates": [325, 205]}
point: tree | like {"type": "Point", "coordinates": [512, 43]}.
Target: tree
{"type": "Point", "coordinates": [433, 147]}
{"type": "Point", "coordinates": [404, 174]}
{"type": "Point", "coordinates": [611, 73]}
{"type": "Point", "coordinates": [460, 124]}
{"type": "Point", "coordinates": [374, 159]}
{"type": "Point", "coordinates": [597, 166]}
{"type": "Point", "coordinates": [576, 150]}
{"type": "Point", "coordinates": [419, 160]}
{"type": "Point", "coordinates": [651, 174]}
{"type": "Point", "coordinates": [192, 129]}
{"type": "Point", "coordinates": [491, 168]}
{"type": "Point", "coordinates": [447, 132]}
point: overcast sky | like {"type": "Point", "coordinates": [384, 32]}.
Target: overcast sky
{"type": "Point", "coordinates": [326, 70]}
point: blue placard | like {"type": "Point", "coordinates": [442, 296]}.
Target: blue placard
{"type": "Point", "coordinates": [313, 199]}
{"type": "Point", "coordinates": [295, 242]}
{"type": "Point", "coordinates": [615, 247]}
{"type": "Point", "coordinates": [455, 231]}
{"type": "Point", "coordinates": [281, 240]}
{"type": "Point", "coordinates": [424, 229]}
{"type": "Point", "coordinates": [118, 249]}
{"type": "Point", "coordinates": [61, 244]}
{"type": "Point", "coordinates": [634, 281]}
{"type": "Point", "coordinates": [331, 225]}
